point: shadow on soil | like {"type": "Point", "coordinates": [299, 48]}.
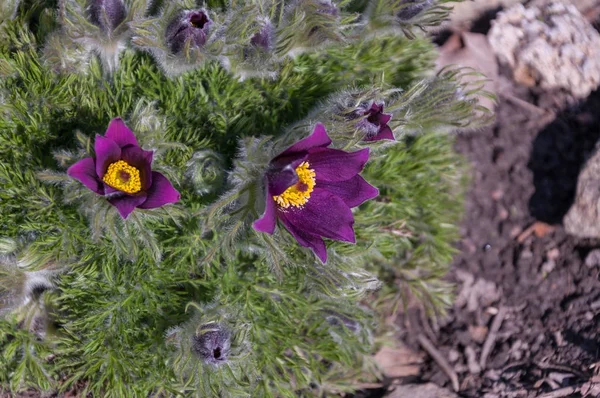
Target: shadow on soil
{"type": "Point", "coordinates": [559, 153]}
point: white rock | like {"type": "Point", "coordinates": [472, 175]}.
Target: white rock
{"type": "Point", "coordinates": [551, 46]}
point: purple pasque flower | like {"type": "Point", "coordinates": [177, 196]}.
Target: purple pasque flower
{"type": "Point", "coordinates": [375, 124]}
{"type": "Point", "coordinates": [107, 14]}
{"type": "Point", "coordinates": [311, 189]}
{"type": "Point", "coordinates": [192, 25]}
{"type": "Point", "coordinates": [122, 172]}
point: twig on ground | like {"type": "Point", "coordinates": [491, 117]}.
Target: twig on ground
{"type": "Point", "coordinates": [525, 105]}
{"type": "Point", "coordinates": [515, 365]}
{"type": "Point", "coordinates": [425, 323]}
{"type": "Point", "coordinates": [538, 384]}
{"type": "Point", "coordinates": [564, 368]}
{"type": "Point", "coordinates": [491, 337]}
{"type": "Point", "coordinates": [563, 392]}
{"type": "Point", "coordinates": [441, 361]}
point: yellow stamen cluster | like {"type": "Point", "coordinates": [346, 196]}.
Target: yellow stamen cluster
{"type": "Point", "coordinates": [123, 177]}
{"type": "Point", "coordinates": [299, 193]}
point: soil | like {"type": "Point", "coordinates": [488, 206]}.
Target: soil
{"type": "Point", "coordinates": [526, 289]}
{"type": "Point", "coordinates": [525, 174]}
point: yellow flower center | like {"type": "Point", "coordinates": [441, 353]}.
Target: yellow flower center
{"type": "Point", "coordinates": [123, 177]}
{"type": "Point", "coordinates": [299, 193]}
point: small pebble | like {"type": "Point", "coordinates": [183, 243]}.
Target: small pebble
{"type": "Point", "coordinates": [453, 356]}
{"type": "Point", "coordinates": [472, 363]}
{"type": "Point", "coordinates": [548, 267]}
{"type": "Point", "coordinates": [589, 316]}
{"type": "Point", "coordinates": [558, 337]}
{"type": "Point", "coordinates": [478, 333]}
{"type": "Point", "coordinates": [553, 254]}
{"type": "Point", "coordinates": [593, 258]}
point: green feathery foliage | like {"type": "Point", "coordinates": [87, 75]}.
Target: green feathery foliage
{"type": "Point", "coordinates": [188, 299]}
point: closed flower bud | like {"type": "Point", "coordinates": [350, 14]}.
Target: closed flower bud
{"type": "Point", "coordinates": [212, 343]}
{"type": "Point", "coordinates": [411, 8]}
{"type": "Point", "coordinates": [8, 10]}
{"type": "Point", "coordinates": [19, 288]}
{"type": "Point", "coordinates": [190, 25]}
{"type": "Point", "coordinates": [205, 172]}
{"type": "Point", "coordinates": [328, 7]}
{"type": "Point", "coordinates": [107, 14]}
{"type": "Point", "coordinates": [325, 7]}
{"type": "Point", "coordinates": [264, 38]}
{"type": "Point", "coordinates": [336, 319]}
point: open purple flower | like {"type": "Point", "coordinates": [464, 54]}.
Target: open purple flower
{"type": "Point", "coordinates": [192, 25]}
{"type": "Point", "coordinates": [311, 189]}
{"type": "Point", "coordinates": [375, 123]}
{"type": "Point", "coordinates": [122, 172]}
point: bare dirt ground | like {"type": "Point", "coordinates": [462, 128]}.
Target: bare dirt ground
{"type": "Point", "coordinates": [526, 321]}
{"type": "Point", "coordinates": [527, 318]}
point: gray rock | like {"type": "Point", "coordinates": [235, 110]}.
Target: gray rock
{"type": "Point", "coordinates": [593, 258]}
{"type": "Point", "coordinates": [549, 46]}
{"type": "Point", "coordinates": [467, 12]}
{"type": "Point", "coordinates": [583, 218]}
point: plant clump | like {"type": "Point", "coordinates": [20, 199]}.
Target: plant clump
{"type": "Point", "coordinates": [220, 200]}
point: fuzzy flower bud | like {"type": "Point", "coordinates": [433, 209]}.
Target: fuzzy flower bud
{"type": "Point", "coordinates": [205, 172]}
{"type": "Point", "coordinates": [374, 122]}
{"type": "Point", "coordinates": [107, 14]}
{"type": "Point", "coordinates": [19, 288]}
{"type": "Point", "coordinates": [336, 319]}
{"type": "Point", "coordinates": [411, 8]}
{"type": "Point", "coordinates": [212, 343]}
{"type": "Point", "coordinates": [190, 25]}
{"type": "Point", "coordinates": [264, 38]}
{"type": "Point", "coordinates": [328, 7]}
{"type": "Point", "coordinates": [325, 7]}
{"type": "Point", "coordinates": [8, 9]}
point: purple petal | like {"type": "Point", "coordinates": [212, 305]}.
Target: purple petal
{"type": "Point", "coordinates": [384, 118]}
{"type": "Point", "coordinates": [385, 133]}
{"type": "Point", "coordinates": [353, 192]}
{"type": "Point", "coordinates": [318, 138]}
{"type": "Point", "coordinates": [374, 109]}
{"type": "Point", "coordinates": [127, 203]}
{"type": "Point", "coordinates": [85, 171]}
{"type": "Point", "coordinates": [307, 240]}
{"type": "Point", "coordinates": [141, 160]}
{"type": "Point", "coordinates": [269, 218]}
{"type": "Point", "coordinates": [336, 165]}
{"type": "Point", "coordinates": [281, 179]}
{"type": "Point", "coordinates": [120, 133]}
{"type": "Point", "coordinates": [160, 193]}
{"type": "Point", "coordinates": [325, 214]}
{"type": "Point", "coordinates": [283, 162]}
{"type": "Point", "coordinates": [108, 190]}
{"type": "Point", "coordinates": [107, 152]}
